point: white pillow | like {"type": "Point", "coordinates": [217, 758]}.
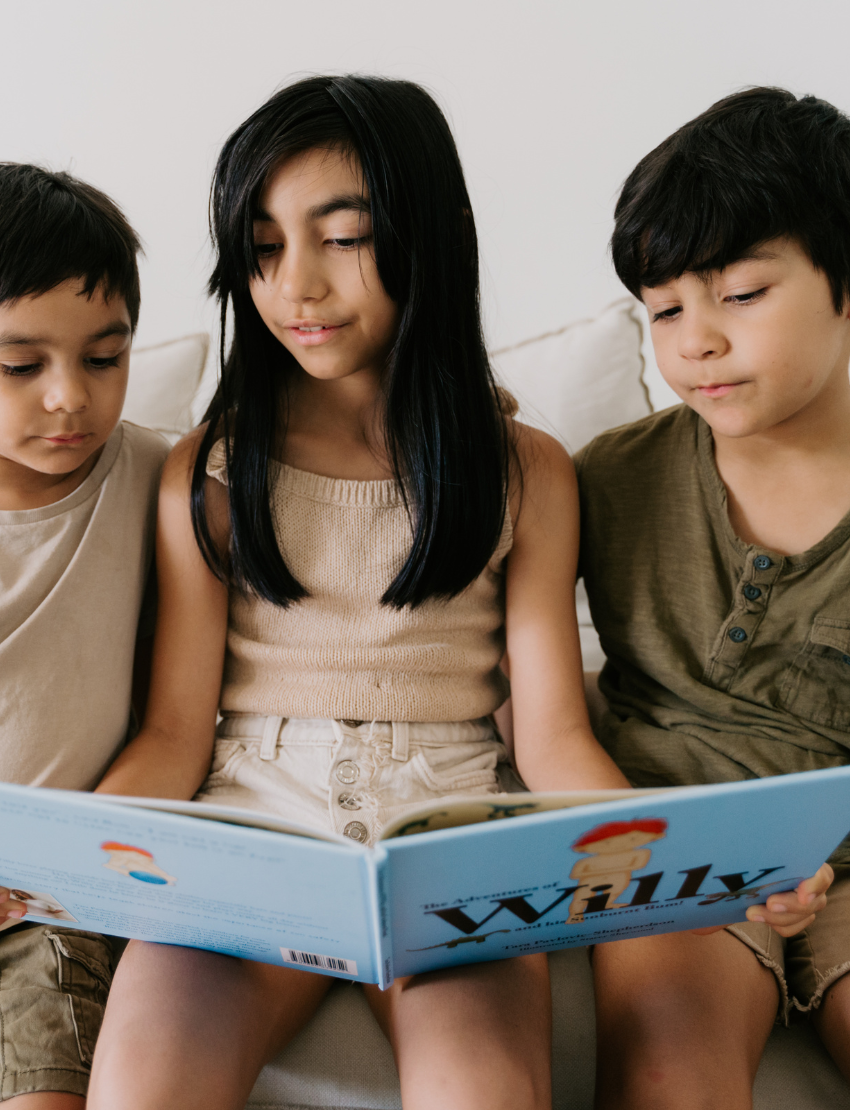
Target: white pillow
{"type": "Point", "coordinates": [581, 380]}
{"type": "Point", "coordinates": [163, 382]}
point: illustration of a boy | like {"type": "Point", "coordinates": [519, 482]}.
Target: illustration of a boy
{"type": "Point", "coordinates": [716, 554]}
{"type": "Point", "coordinates": [135, 863]}
{"type": "Point", "coordinates": [613, 851]}
{"type": "Point", "coordinates": [77, 504]}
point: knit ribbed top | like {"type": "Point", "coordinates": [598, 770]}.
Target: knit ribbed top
{"type": "Point", "coordinates": [339, 652]}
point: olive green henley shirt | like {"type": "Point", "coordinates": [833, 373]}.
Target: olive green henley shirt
{"type": "Point", "coordinates": [725, 660]}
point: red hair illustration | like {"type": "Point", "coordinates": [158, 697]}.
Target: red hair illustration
{"type": "Point", "coordinates": [114, 846]}
{"type": "Point", "coordinates": [652, 826]}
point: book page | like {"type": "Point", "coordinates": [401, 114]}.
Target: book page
{"type": "Point", "coordinates": [454, 812]}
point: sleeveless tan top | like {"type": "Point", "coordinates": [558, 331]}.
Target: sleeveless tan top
{"type": "Point", "coordinates": [340, 653]}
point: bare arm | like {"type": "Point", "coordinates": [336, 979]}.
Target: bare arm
{"type": "Point", "coordinates": [554, 746]}
{"type": "Point", "coordinates": [171, 755]}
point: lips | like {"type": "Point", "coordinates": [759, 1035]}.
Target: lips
{"type": "Point", "coordinates": [68, 439]}
{"type": "Point", "coordinates": [312, 333]}
{"type": "Point", "coordinates": [717, 389]}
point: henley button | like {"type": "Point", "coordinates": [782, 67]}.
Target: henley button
{"type": "Point", "coordinates": [751, 592]}
{"type": "Point", "coordinates": [737, 634]}
{"type": "Point", "coordinates": [761, 562]}
{"type": "Point", "coordinates": [356, 830]}
{"type": "Point", "coordinates": [348, 772]}
{"type": "Point", "coordinates": [348, 801]}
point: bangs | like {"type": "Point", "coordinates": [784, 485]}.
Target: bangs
{"type": "Point", "coordinates": [694, 218]}
{"type": "Point", "coordinates": [54, 228]}
{"type": "Point", "coordinates": [757, 165]}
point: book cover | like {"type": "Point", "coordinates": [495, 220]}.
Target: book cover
{"type": "Point", "coordinates": [459, 881]}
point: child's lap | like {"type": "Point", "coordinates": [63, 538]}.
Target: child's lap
{"type": "Point", "coordinates": [806, 965]}
{"type": "Point", "coordinates": [349, 776]}
{"type": "Point", "coordinates": [53, 987]}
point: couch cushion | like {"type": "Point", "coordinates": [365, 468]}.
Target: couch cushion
{"type": "Point", "coordinates": [583, 379]}
{"type": "Point", "coordinates": [163, 382]}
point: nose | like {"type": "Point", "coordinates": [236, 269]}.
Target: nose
{"type": "Point", "coordinates": [700, 337]}
{"type": "Point", "coordinates": [66, 391]}
{"type": "Point", "coordinates": [300, 276]}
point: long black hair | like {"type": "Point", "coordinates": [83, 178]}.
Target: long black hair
{"type": "Point", "coordinates": [445, 436]}
{"type": "Point", "coordinates": [758, 165]}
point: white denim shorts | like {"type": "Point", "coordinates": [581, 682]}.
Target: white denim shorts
{"type": "Point", "coordinates": [349, 776]}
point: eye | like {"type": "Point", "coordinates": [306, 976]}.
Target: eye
{"type": "Point", "coordinates": [266, 250]}
{"type": "Point", "coordinates": [747, 298]}
{"type": "Point", "coordinates": [102, 363]}
{"type": "Point", "coordinates": [667, 314]}
{"type": "Point", "coordinates": [20, 371]}
{"type": "Point", "coordinates": [349, 244]}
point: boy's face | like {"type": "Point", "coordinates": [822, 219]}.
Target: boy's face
{"type": "Point", "coordinates": [64, 360]}
{"type": "Point", "coordinates": [755, 345]}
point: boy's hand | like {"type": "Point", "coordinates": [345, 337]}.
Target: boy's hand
{"type": "Point", "coordinates": [791, 912]}
{"type": "Point", "coordinates": [9, 908]}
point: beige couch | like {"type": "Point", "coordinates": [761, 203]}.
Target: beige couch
{"type": "Point", "coordinates": [575, 383]}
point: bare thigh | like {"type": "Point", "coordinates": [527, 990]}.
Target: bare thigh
{"type": "Point", "coordinates": [471, 1037]}
{"type": "Point", "coordinates": [191, 1030]}
{"type": "Point", "coordinates": [682, 1021]}
{"type": "Point", "coordinates": [832, 1022]}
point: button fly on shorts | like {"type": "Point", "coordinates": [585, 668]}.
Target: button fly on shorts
{"type": "Point", "coordinates": [348, 772]}
{"type": "Point", "coordinates": [348, 801]}
{"type": "Point", "coordinates": [356, 830]}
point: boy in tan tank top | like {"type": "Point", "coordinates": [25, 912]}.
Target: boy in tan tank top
{"type": "Point", "coordinates": [716, 553]}
{"type": "Point", "coordinates": [77, 495]}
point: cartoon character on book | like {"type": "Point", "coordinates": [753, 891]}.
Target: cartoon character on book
{"type": "Point", "coordinates": [135, 863]}
{"type": "Point", "coordinates": [613, 850]}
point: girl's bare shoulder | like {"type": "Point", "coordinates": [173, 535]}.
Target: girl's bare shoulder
{"type": "Point", "coordinates": [542, 472]}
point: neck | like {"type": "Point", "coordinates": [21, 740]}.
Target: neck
{"type": "Point", "coordinates": [336, 427]}
{"type": "Point", "coordinates": [24, 488]}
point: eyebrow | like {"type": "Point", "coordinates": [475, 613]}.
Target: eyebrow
{"type": "Point", "coordinates": [755, 254]}
{"type": "Point", "coordinates": [343, 202]}
{"type": "Point", "coordinates": [20, 339]}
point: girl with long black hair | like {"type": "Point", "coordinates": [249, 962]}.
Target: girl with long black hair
{"type": "Point", "coordinates": [348, 548]}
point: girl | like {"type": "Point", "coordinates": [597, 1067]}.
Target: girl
{"type": "Point", "coordinates": [354, 538]}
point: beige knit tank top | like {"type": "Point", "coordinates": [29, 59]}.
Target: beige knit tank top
{"type": "Point", "coordinates": [340, 653]}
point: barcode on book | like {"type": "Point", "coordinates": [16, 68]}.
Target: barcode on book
{"type": "Point", "coordinates": [314, 959]}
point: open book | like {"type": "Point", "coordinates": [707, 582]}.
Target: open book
{"type": "Point", "coordinates": [460, 881]}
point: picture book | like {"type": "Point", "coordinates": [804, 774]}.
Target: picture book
{"type": "Point", "coordinates": [457, 881]}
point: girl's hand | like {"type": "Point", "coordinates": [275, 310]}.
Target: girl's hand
{"type": "Point", "coordinates": [9, 908]}
{"type": "Point", "coordinates": [789, 913]}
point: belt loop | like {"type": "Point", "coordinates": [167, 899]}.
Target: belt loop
{"type": "Point", "coordinates": [401, 740]}
{"type": "Point", "coordinates": [271, 731]}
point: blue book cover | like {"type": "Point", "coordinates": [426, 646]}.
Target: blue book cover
{"type": "Point", "coordinates": [459, 881]}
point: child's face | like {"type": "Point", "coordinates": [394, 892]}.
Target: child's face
{"type": "Point", "coordinates": [754, 345]}
{"type": "Point", "coordinates": [64, 360]}
{"type": "Point", "coordinates": [320, 293]}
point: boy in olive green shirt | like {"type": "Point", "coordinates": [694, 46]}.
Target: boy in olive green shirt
{"type": "Point", "coordinates": [716, 554]}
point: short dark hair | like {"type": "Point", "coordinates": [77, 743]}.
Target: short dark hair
{"type": "Point", "coordinates": [758, 165]}
{"type": "Point", "coordinates": [446, 438]}
{"type": "Point", "coordinates": [53, 228]}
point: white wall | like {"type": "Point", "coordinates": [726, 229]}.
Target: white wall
{"type": "Point", "coordinates": [552, 104]}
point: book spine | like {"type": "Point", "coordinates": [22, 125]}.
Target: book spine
{"type": "Point", "coordinates": [380, 913]}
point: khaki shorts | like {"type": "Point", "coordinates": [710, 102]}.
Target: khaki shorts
{"type": "Point", "coordinates": [349, 776]}
{"type": "Point", "coordinates": [807, 964]}
{"type": "Point", "coordinates": [53, 987]}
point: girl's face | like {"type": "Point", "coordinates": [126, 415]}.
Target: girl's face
{"type": "Point", "coordinates": [318, 291]}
